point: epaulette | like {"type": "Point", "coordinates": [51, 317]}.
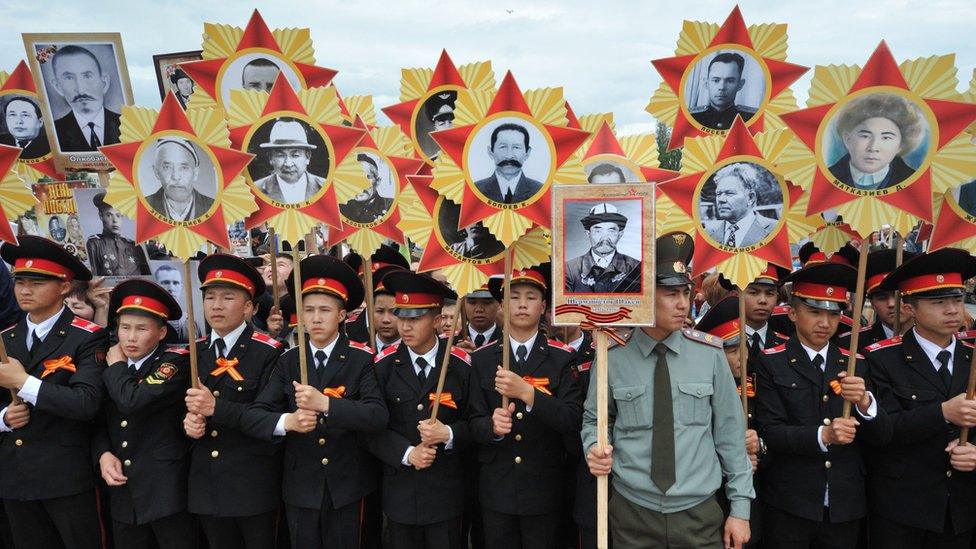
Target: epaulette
{"type": "Point", "coordinates": [584, 367]}
{"type": "Point", "coordinates": [782, 309]}
{"type": "Point", "coordinates": [844, 319]}
{"type": "Point", "coordinates": [85, 325]}
{"type": "Point", "coordinates": [625, 335]}
{"type": "Point", "coordinates": [201, 339]}
{"type": "Point", "coordinates": [845, 352]}
{"type": "Point", "coordinates": [462, 354]}
{"type": "Point", "coordinates": [746, 109]}
{"type": "Point", "coordinates": [883, 344]}
{"type": "Point", "coordinates": [351, 317]}
{"type": "Point", "coordinates": [702, 337]}
{"type": "Point", "coordinates": [178, 350]}
{"type": "Point", "coordinates": [781, 335]}
{"type": "Point", "coordinates": [969, 334]}
{"type": "Point", "coordinates": [8, 328]}
{"type": "Point", "coordinates": [266, 339]}
{"type": "Point", "coordinates": [774, 350]}
{"type": "Point", "coordinates": [967, 344]}
{"type": "Point", "coordinates": [560, 345]}
{"type": "Point", "coordinates": [698, 108]}
{"type": "Point", "coordinates": [845, 334]}
{"type": "Point", "coordinates": [386, 352]}
{"type": "Point", "coordinates": [360, 346]}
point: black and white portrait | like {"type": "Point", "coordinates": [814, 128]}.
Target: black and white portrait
{"type": "Point", "coordinates": [169, 275]}
{"type": "Point", "coordinates": [109, 237]}
{"type": "Point", "coordinates": [510, 161]}
{"type": "Point", "coordinates": [22, 125]}
{"type": "Point", "coordinates": [178, 179]}
{"type": "Point", "coordinates": [371, 206]}
{"type": "Point", "coordinates": [472, 242]}
{"type": "Point", "coordinates": [436, 113]}
{"type": "Point", "coordinates": [875, 141]}
{"type": "Point", "coordinates": [171, 78]}
{"type": "Point", "coordinates": [723, 84]}
{"type": "Point", "coordinates": [608, 171]}
{"type": "Point", "coordinates": [603, 244]}
{"type": "Point", "coordinates": [255, 72]}
{"type": "Point", "coordinates": [740, 205]}
{"type": "Point", "coordinates": [292, 160]}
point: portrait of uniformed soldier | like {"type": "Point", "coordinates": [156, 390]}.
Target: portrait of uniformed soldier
{"type": "Point", "coordinates": [737, 221]}
{"type": "Point", "coordinates": [439, 111]}
{"type": "Point", "coordinates": [110, 253]}
{"type": "Point", "coordinates": [606, 173]}
{"type": "Point", "coordinates": [24, 127]}
{"type": "Point", "coordinates": [508, 150]}
{"type": "Point", "coordinates": [176, 166]}
{"type": "Point", "coordinates": [80, 79]}
{"type": "Point", "coordinates": [603, 269]}
{"type": "Point", "coordinates": [289, 152]}
{"type": "Point", "coordinates": [367, 206]}
{"type": "Point", "coordinates": [877, 130]}
{"type": "Point", "coordinates": [259, 74]}
{"type": "Point", "coordinates": [55, 229]}
{"type": "Point", "coordinates": [477, 242]}
{"type": "Point", "coordinates": [723, 82]}
{"type": "Point", "coordinates": [183, 86]}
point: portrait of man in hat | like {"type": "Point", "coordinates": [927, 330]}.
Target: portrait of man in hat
{"type": "Point", "coordinates": [182, 86]}
{"type": "Point", "coordinates": [176, 167]}
{"type": "Point", "coordinates": [24, 127]}
{"type": "Point", "coordinates": [288, 153]}
{"type": "Point", "coordinates": [369, 205]}
{"type": "Point", "coordinates": [437, 114]}
{"type": "Point", "coordinates": [603, 269]}
{"type": "Point", "coordinates": [509, 149]}
{"type": "Point", "coordinates": [737, 221]}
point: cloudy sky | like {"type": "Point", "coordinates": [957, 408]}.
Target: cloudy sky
{"type": "Point", "coordinates": [600, 52]}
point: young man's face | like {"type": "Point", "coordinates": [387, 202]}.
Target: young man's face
{"type": "Point", "coordinates": [419, 332]}
{"type": "Point", "coordinates": [481, 312]}
{"type": "Point", "coordinates": [526, 306]}
{"type": "Point", "coordinates": [883, 304]}
{"type": "Point", "coordinates": [815, 327]}
{"type": "Point", "coordinates": [139, 335]}
{"type": "Point", "coordinates": [723, 83]}
{"type": "Point", "coordinates": [760, 299]}
{"type": "Point", "coordinates": [39, 295]}
{"type": "Point", "coordinates": [941, 316]}
{"type": "Point", "coordinates": [226, 308]}
{"type": "Point", "coordinates": [111, 220]}
{"type": "Point", "coordinates": [322, 316]}
{"type": "Point", "coordinates": [384, 319]}
{"type": "Point", "coordinates": [671, 305]}
{"type": "Point", "coordinates": [732, 356]}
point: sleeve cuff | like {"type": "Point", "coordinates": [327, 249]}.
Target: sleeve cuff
{"type": "Point", "coordinates": [820, 442]}
{"type": "Point", "coordinates": [740, 509]}
{"type": "Point", "coordinates": [872, 409]}
{"type": "Point", "coordinates": [279, 430]}
{"type": "Point", "coordinates": [449, 445]}
{"type": "Point", "coordinates": [4, 428]}
{"type": "Point", "coordinates": [30, 390]}
{"type": "Point", "coordinates": [406, 456]}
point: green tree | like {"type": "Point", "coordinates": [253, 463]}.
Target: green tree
{"type": "Point", "coordinates": [669, 160]}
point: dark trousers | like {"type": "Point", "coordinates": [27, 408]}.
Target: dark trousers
{"type": "Point", "coordinates": [895, 535]}
{"type": "Point", "coordinates": [440, 535]}
{"type": "Point", "coordinates": [70, 521]}
{"type": "Point", "coordinates": [373, 521]}
{"type": "Point", "coordinates": [783, 529]}
{"type": "Point", "coordinates": [587, 537]}
{"type": "Point", "coordinates": [173, 532]}
{"type": "Point", "coordinates": [325, 527]}
{"type": "Point", "coordinates": [253, 532]}
{"type": "Point", "coordinates": [505, 531]}
{"type": "Point", "coordinates": [636, 527]}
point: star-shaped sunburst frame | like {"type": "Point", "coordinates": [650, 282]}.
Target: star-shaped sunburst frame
{"type": "Point", "coordinates": [224, 44]}
{"type": "Point", "coordinates": [545, 110]}
{"type": "Point", "coordinates": [419, 205]}
{"type": "Point", "coordinates": [832, 236]}
{"type": "Point", "coordinates": [703, 157]}
{"type": "Point", "coordinates": [206, 129]}
{"type": "Point", "coordinates": [765, 43]}
{"type": "Point", "coordinates": [16, 195]}
{"type": "Point", "coordinates": [929, 83]}
{"type": "Point", "coordinates": [318, 108]}
{"type": "Point", "coordinates": [393, 149]}
{"type": "Point", "coordinates": [420, 84]}
{"type": "Point", "coordinates": [20, 82]}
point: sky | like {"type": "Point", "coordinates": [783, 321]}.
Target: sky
{"type": "Point", "coordinates": [598, 51]}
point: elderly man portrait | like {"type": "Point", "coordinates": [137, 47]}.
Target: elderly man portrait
{"type": "Point", "coordinates": [723, 83]}
{"type": "Point", "coordinates": [878, 130]}
{"type": "Point", "coordinates": [176, 165]}
{"type": "Point", "coordinates": [367, 206]}
{"type": "Point", "coordinates": [289, 153]}
{"type": "Point", "coordinates": [603, 269]}
{"type": "Point", "coordinates": [25, 127]}
{"type": "Point", "coordinates": [738, 223]}
{"type": "Point", "coordinates": [80, 80]}
{"type": "Point", "coordinates": [508, 150]}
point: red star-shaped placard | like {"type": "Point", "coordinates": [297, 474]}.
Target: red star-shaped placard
{"type": "Point", "coordinates": [605, 142]}
{"type": "Point", "coordinates": [20, 82]}
{"type": "Point", "coordinates": [445, 74]}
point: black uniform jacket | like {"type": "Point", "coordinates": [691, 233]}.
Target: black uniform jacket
{"type": "Point", "coordinates": [50, 457]}
{"type": "Point", "coordinates": [333, 456]}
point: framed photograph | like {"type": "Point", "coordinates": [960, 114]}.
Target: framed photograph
{"type": "Point", "coordinates": [603, 252]}
{"type": "Point", "coordinates": [171, 78]}
{"type": "Point", "coordinates": [82, 83]}
{"type": "Point", "coordinates": [109, 237]}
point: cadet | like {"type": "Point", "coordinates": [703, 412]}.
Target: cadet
{"type": "Point", "coordinates": [814, 482]}
{"type": "Point", "coordinates": [522, 481]}
{"type": "Point", "coordinates": [481, 313]}
{"type": "Point", "coordinates": [423, 475]}
{"type": "Point", "coordinates": [327, 470]}
{"type": "Point", "coordinates": [234, 479]}
{"type": "Point", "coordinates": [110, 253]}
{"type": "Point", "coordinates": [880, 263]}
{"type": "Point", "coordinates": [55, 365]}
{"type": "Point", "coordinates": [924, 491]}
{"type": "Point", "coordinates": [140, 447]}
{"type": "Point", "coordinates": [675, 430]}
{"type": "Point", "coordinates": [383, 260]}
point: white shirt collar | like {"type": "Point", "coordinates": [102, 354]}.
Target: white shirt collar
{"type": "Point", "coordinates": [505, 184]}
{"type": "Point", "coordinates": [888, 332]}
{"type": "Point", "coordinates": [875, 178]}
{"type": "Point", "coordinates": [44, 327]}
{"type": "Point", "coordinates": [822, 352]}
{"type": "Point", "coordinates": [293, 193]}
{"type": "Point", "coordinates": [136, 364]}
{"type": "Point", "coordinates": [761, 331]}
{"type": "Point", "coordinates": [578, 341]}
{"type": "Point", "coordinates": [475, 333]}
{"type": "Point", "coordinates": [528, 344]}
{"type": "Point", "coordinates": [98, 119]}
{"type": "Point", "coordinates": [230, 339]}
{"type": "Point", "coordinates": [430, 356]}
{"type": "Point", "coordinates": [932, 350]}
{"type": "Point", "coordinates": [602, 261]}
{"type": "Point", "coordinates": [380, 344]}
{"type": "Point", "coordinates": [327, 349]}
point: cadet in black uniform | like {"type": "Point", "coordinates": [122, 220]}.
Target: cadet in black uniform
{"type": "Point", "coordinates": [56, 362]}
{"type": "Point", "coordinates": [880, 263]}
{"type": "Point", "coordinates": [814, 482]}
{"type": "Point", "coordinates": [521, 481]}
{"type": "Point", "coordinates": [140, 447]}
{"type": "Point", "coordinates": [235, 480]}
{"type": "Point", "coordinates": [383, 260]}
{"type": "Point", "coordinates": [923, 489]}
{"type": "Point", "coordinates": [327, 470]}
{"type": "Point", "coordinates": [423, 474]}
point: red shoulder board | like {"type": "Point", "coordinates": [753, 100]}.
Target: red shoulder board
{"type": "Point", "coordinates": [702, 337]}
{"type": "Point", "coordinates": [970, 334]}
{"type": "Point", "coordinates": [462, 354]}
{"type": "Point", "coordinates": [387, 352]}
{"type": "Point", "coordinates": [178, 350]}
{"type": "Point", "coordinates": [360, 346]}
{"type": "Point", "coordinates": [585, 367]}
{"type": "Point", "coordinates": [85, 325]}
{"type": "Point", "coordinates": [883, 343]}
{"type": "Point", "coordinates": [266, 339]}
{"type": "Point", "coordinates": [781, 336]}
{"type": "Point", "coordinates": [351, 317]}
{"type": "Point", "coordinates": [845, 352]}
{"type": "Point", "coordinates": [560, 345]}
{"type": "Point", "coordinates": [782, 309]}
{"type": "Point", "coordinates": [846, 320]}
{"type": "Point", "coordinates": [774, 350]}
{"type": "Point", "coordinates": [201, 339]}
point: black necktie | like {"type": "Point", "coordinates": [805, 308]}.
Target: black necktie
{"type": "Point", "coordinates": [219, 347]}
{"type": "Point", "coordinates": [95, 143]}
{"type": "Point", "coordinates": [757, 345]}
{"type": "Point", "coordinates": [943, 357]}
{"type": "Point", "coordinates": [479, 340]}
{"type": "Point", "coordinates": [508, 196]}
{"type": "Point", "coordinates": [521, 353]}
{"type": "Point", "coordinates": [320, 358]}
{"type": "Point", "coordinates": [422, 370]}
{"type": "Point", "coordinates": [35, 342]}
{"type": "Point", "coordinates": [818, 362]}
{"type": "Point", "coordinates": [662, 443]}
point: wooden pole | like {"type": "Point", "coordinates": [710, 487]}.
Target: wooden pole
{"type": "Point", "coordinates": [274, 271]}
{"type": "Point", "coordinates": [368, 282]}
{"type": "Point", "coordinates": [970, 394]}
{"type": "Point", "coordinates": [862, 264]}
{"type": "Point", "coordinates": [442, 375]}
{"type": "Point", "coordinates": [3, 359]}
{"type": "Point", "coordinates": [743, 359]}
{"type": "Point", "coordinates": [899, 257]}
{"type": "Point", "coordinates": [191, 324]}
{"type": "Point", "coordinates": [602, 438]}
{"type": "Point", "coordinates": [299, 313]}
{"type": "Point", "coordinates": [506, 319]}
